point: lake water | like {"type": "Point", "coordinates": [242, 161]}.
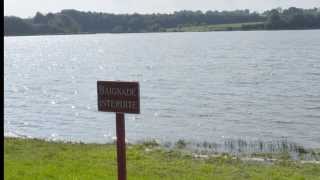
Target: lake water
{"type": "Point", "coordinates": [210, 86]}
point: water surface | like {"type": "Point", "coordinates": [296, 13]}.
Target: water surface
{"type": "Point", "coordinates": [212, 86]}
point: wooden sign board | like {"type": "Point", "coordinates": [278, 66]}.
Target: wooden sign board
{"type": "Point", "coordinates": [118, 96]}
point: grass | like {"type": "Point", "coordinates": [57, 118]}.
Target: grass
{"type": "Point", "coordinates": [35, 159]}
{"type": "Point", "coordinates": [216, 27]}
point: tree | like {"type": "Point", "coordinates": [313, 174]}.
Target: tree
{"type": "Point", "coordinates": [274, 20]}
{"type": "Point", "coordinates": [40, 19]}
{"type": "Point", "coordinates": [16, 26]}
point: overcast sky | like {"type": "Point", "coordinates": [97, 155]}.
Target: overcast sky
{"type": "Point", "coordinates": [28, 8]}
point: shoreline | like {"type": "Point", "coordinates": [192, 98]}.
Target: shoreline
{"type": "Point", "coordinates": [206, 150]}
{"type": "Point", "coordinates": [161, 32]}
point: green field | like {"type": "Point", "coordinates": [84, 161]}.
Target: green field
{"type": "Point", "coordinates": [33, 159]}
{"type": "Point", "coordinates": [216, 27]}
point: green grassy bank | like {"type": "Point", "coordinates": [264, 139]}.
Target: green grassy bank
{"type": "Point", "coordinates": [218, 27]}
{"type": "Point", "coordinates": [33, 159]}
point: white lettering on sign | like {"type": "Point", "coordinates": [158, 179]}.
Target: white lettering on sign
{"type": "Point", "coordinates": [118, 91]}
{"type": "Point", "coordinates": [119, 104]}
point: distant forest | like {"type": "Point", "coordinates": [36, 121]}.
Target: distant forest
{"type": "Point", "coordinates": [74, 22]}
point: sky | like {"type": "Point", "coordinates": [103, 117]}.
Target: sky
{"type": "Point", "coordinates": [23, 8]}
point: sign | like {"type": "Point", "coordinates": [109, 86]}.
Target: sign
{"type": "Point", "coordinates": [118, 96]}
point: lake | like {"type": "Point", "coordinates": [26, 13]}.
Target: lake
{"type": "Point", "coordinates": [199, 87]}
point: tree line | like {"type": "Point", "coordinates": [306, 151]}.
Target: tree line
{"type": "Point", "coordinates": [293, 18]}
{"type": "Point", "coordinates": [73, 21]}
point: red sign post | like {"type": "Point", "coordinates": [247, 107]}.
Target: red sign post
{"type": "Point", "coordinates": [120, 97]}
